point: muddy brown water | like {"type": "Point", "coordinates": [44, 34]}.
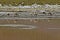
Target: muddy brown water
{"type": "Point", "coordinates": [40, 33]}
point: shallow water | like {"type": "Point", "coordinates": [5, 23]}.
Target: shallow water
{"type": "Point", "coordinates": [41, 33]}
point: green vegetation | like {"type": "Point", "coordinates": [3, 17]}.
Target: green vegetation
{"type": "Point", "coordinates": [29, 2]}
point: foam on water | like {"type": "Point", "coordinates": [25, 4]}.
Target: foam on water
{"type": "Point", "coordinates": [19, 26]}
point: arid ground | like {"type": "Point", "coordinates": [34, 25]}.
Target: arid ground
{"type": "Point", "coordinates": [42, 32]}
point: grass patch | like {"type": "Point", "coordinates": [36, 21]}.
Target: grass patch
{"type": "Point", "coordinates": [29, 2]}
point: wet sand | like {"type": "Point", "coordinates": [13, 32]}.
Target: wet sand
{"type": "Point", "coordinates": [40, 33]}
